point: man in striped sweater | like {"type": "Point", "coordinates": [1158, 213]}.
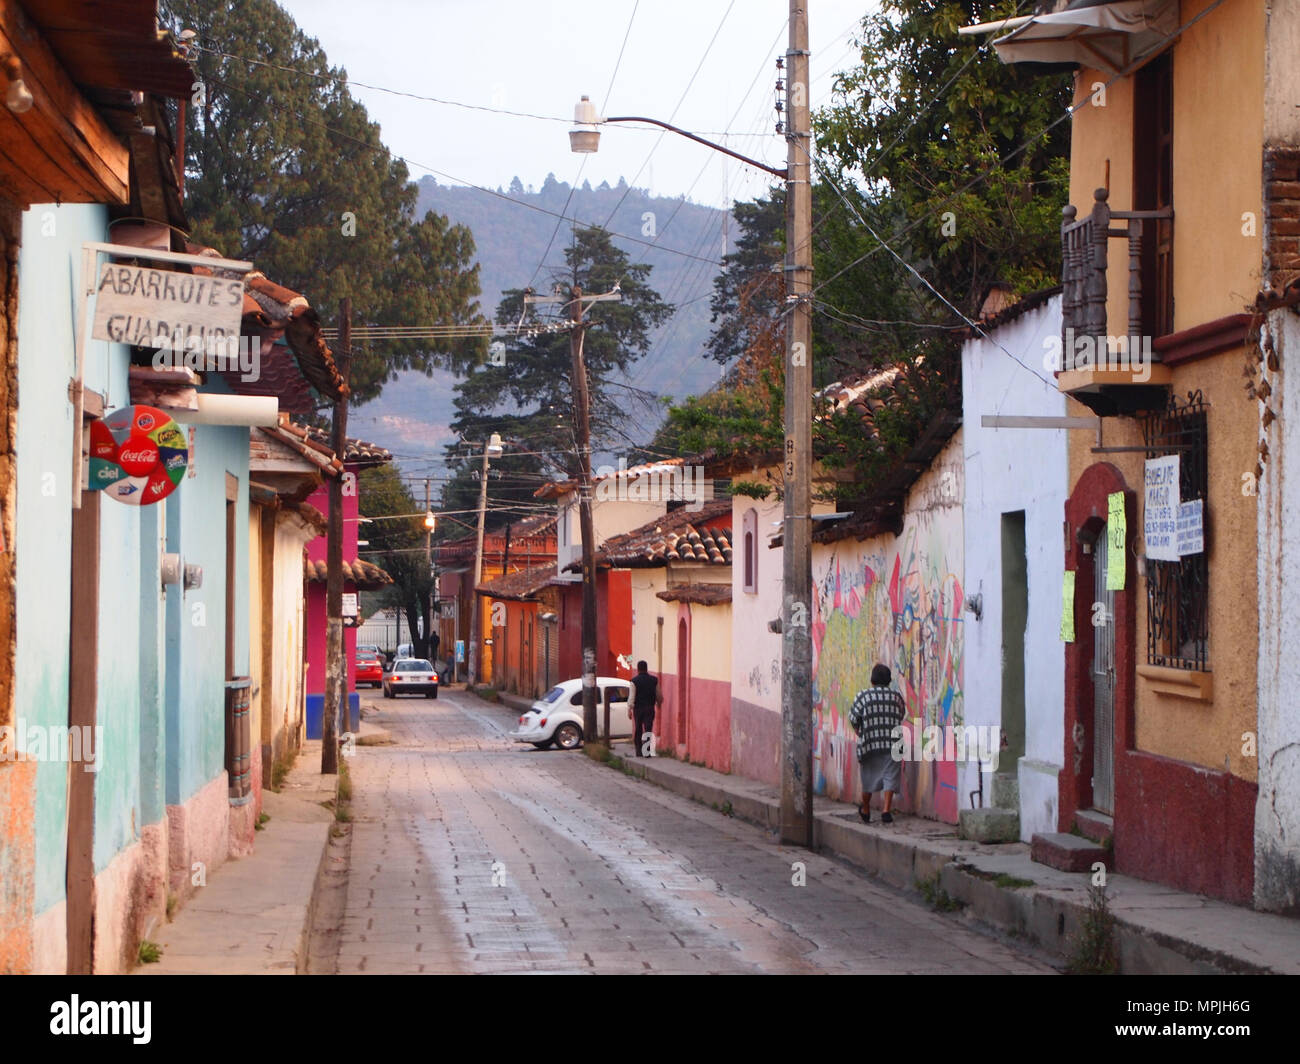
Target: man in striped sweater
{"type": "Point", "coordinates": [875, 715]}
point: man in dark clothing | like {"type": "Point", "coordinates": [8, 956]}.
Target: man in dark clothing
{"type": "Point", "coordinates": [646, 697]}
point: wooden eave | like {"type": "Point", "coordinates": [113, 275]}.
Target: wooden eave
{"type": "Point", "coordinates": [62, 150]}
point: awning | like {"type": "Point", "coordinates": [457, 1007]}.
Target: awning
{"type": "Point", "coordinates": [1107, 36]}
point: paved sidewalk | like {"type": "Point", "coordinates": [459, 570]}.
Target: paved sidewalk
{"type": "Point", "coordinates": [253, 917]}
{"type": "Point", "coordinates": [1159, 930]}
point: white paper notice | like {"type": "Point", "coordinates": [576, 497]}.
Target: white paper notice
{"type": "Point", "coordinates": [1191, 527]}
{"type": "Point", "coordinates": [1160, 514]}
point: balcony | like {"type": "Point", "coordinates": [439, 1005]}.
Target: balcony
{"type": "Point", "coordinates": [1113, 374]}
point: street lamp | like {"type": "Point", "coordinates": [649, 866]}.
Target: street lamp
{"type": "Point", "coordinates": [796, 458]}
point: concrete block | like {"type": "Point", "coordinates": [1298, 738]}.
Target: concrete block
{"type": "Point", "coordinates": [989, 825]}
{"type": "Point", "coordinates": [1006, 790]}
{"type": "Point", "coordinates": [1069, 853]}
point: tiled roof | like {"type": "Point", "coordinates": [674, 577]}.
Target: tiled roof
{"type": "Point", "coordinates": [680, 536]}
{"type": "Point", "coordinates": [1011, 311]}
{"type": "Point", "coordinates": [700, 594]}
{"type": "Point", "coordinates": [296, 438]}
{"type": "Point", "coordinates": [540, 526]}
{"type": "Point", "coordinates": [520, 585]}
{"type": "Point", "coordinates": [356, 452]}
{"type": "Point", "coordinates": [364, 576]}
{"type": "Point", "coordinates": [555, 488]}
{"type": "Point", "coordinates": [272, 313]}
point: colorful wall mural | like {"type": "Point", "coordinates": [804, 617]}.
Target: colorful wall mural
{"type": "Point", "coordinates": [896, 600]}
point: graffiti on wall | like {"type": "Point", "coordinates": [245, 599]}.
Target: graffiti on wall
{"type": "Point", "coordinates": [899, 603]}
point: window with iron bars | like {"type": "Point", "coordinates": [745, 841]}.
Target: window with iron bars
{"type": "Point", "coordinates": [1178, 591]}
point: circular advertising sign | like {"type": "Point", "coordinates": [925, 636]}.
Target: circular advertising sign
{"type": "Point", "coordinates": [137, 455]}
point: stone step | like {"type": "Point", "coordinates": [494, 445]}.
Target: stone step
{"type": "Point", "coordinates": [989, 825]}
{"type": "Point", "coordinates": [1068, 853]}
{"type": "Point", "coordinates": [1095, 825]}
{"type": "Point", "coordinates": [1006, 790]}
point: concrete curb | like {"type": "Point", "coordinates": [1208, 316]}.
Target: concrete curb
{"type": "Point", "coordinates": [1157, 930]}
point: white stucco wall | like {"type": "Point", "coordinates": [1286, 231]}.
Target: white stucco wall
{"type": "Point", "coordinates": [1009, 470]}
{"type": "Point", "coordinates": [1277, 810]}
{"type": "Point", "coordinates": [756, 651]}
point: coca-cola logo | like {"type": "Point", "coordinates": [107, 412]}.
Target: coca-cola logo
{"type": "Point", "coordinates": [138, 457]}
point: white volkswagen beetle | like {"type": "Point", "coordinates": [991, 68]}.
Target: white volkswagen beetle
{"type": "Point", "coordinates": [556, 717]}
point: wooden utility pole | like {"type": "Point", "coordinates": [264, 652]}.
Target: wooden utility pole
{"type": "Point", "coordinates": [582, 425]}
{"type": "Point", "coordinates": [796, 607]}
{"type": "Point", "coordinates": [586, 526]}
{"type": "Point", "coordinates": [335, 666]}
{"type": "Point", "coordinates": [474, 622]}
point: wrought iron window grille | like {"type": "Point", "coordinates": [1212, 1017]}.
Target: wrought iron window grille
{"type": "Point", "coordinates": [1178, 591]}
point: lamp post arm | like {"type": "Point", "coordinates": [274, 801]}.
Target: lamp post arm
{"type": "Point", "coordinates": [774, 171]}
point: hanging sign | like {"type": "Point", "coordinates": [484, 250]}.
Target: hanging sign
{"type": "Point", "coordinates": [182, 312]}
{"type": "Point", "coordinates": [350, 604]}
{"type": "Point", "coordinates": [1160, 511]}
{"type": "Point", "coordinates": [1117, 541]}
{"type": "Point", "coordinates": [1191, 527]}
{"type": "Point", "coordinates": [1067, 607]}
{"type": "Point", "coordinates": [137, 455]}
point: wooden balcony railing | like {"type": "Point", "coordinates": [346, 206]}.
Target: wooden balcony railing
{"type": "Point", "coordinates": [1083, 269]}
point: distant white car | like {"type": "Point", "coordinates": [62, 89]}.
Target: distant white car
{"type": "Point", "coordinates": [411, 676]}
{"type": "Point", "coordinates": [556, 717]}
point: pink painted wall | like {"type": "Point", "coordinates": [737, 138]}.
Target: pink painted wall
{"type": "Point", "coordinates": [316, 630]}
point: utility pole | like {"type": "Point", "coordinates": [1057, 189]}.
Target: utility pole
{"type": "Point", "coordinates": [478, 573]}
{"type": "Point", "coordinates": [335, 676]}
{"type": "Point", "coordinates": [491, 448]}
{"type": "Point", "coordinates": [796, 612]}
{"type": "Point", "coordinates": [428, 561]}
{"type": "Point", "coordinates": [582, 425]}
{"type": "Point", "coordinates": [582, 422]}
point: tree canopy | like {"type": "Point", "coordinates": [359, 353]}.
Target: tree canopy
{"type": "Point", "coordinates": [284, 168]}
{"type": "Point", "coordinates": [526, 395]}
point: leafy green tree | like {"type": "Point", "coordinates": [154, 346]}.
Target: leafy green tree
{"type": "Point", "coordinates": [526, 394]}
{"type": "Point", "coordinates": [398, 543]}
{"type": "Point", "coordinates": [955, 153]}
{"type": "Point", "coordinates": [284, 168]}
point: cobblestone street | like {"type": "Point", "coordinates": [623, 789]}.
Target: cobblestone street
{"type": "Point", "coordinates": [471, 853]}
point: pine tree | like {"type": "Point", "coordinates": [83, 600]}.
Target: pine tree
{"type": "Point", "coordinates": [284, 168]}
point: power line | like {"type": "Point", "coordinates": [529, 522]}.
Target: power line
{"type": "Point", "coordinates": [443, 174]}
{"type": "Point", "coordinates": [659, 140]}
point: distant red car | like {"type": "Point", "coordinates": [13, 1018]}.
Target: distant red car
{"type": "Point", "coordinates": [369, 670]}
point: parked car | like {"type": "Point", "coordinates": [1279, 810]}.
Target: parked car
{"type": "Point", "coordinates": [369, 669]}
{"type": "Point", "coordinates": [411, 676]}
{"type": "Point", "coordinates": [370, 650]}
{"type": "Point", "coordinates": [556, 717]}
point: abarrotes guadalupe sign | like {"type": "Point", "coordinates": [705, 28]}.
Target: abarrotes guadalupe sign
{"type": "Point", "coordinates": [137, 455]}
{"type": "Point", "coordinates": [188, 314]}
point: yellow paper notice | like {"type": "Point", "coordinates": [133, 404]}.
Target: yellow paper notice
{"type": "Point", "coordinates": [1116, 548]}
{"type": "Point", "coordinates": [1067, 607]}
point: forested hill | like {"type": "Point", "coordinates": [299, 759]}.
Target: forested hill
{"type": "Point", "coordinates": [411, 417]}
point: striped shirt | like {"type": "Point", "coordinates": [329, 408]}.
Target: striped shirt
{"type": "Point", "coordinates": [876, 712]}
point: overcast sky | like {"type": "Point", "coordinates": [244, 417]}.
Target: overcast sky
{"type": "Point", "coordinates": [539, 57]}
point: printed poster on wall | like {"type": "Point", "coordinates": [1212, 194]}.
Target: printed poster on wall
{"type": "Point", "coordinates": [1067, 607]}
{"type": "Point", "coordinates": [1117, 545]}
{"type": "Point", "coordinates": [1160, 509]}
{"type": "Point", "coordinates": [1191, 527]}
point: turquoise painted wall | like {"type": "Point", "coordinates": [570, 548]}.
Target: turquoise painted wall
{"type": "Point", "coordinates": [49, 268]}
{"type": "Point", "coordinates": [196, 641]}
{"type": "Point", "coordinates": [160, 674]}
